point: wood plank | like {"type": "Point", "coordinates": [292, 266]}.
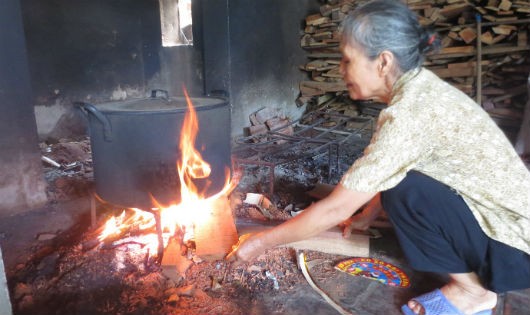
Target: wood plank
{"type": "Point", "coordinates": [492, 8]}
{"type": "Point", "coordinates": [257, 130]}
{"type": "Point", "coordinates": [485, 51]}
{"type": "Point", "coordinates": [315, 64]}
{"type": "Point", "coordinates": [503, 50]}
{"type": "Point", "coordinates": [326, 9]}
{"type": "Point", "coordinates": [498, 39]}
{"type": "Point", "coordinates": [518, 90]}
{"type": "Point", "coordinates": [486, 38]}
{"type": "Point", "coordinates": [453, 10]}
{"type": "Point", "coordinates": [330, 241]}
{"type": "Point", "coordinates": [522, 38]}
{"type": "Point", "coordinates": [481, 10]}
{"type": "Point", "coordinates": [504, 29]}
{"type": "Point", "coordinates": [458, 50]}
{"type": "Point", "coordinates": [421, 6]}
{"type": "Point", "coordinates": [455, 72]}
{"type": "Point", "coordinates": [507, 19]}
{"type": "Point", "coordinates": [316, 19]}
{"type": "Point", "coordinates": [523, 10]}
{"type": "Point", "coordinates": [500, 13]}
{"type": "Point", "coordinates": [492, 3]}
{"type": "Point", "coordinates": [470, 63]}
{"type": "Point", "coordinates": [468, 35]}
{"type": "Point", "coordinates": [334, 73]}
{"type": "Point", "coordinates": [215, 237]}
{"type": "Point", "coordinates": [324, 86]}
{"type": "Point", "coordinates": [337, 56]}
{"type": "Point", "coordinates": [453, 35]}
{"type": "Point", "coordinates": [505, 5]}
{"type": "Point", "coordinates": [322, 35]}
{"type": "Point", "coordinates": [318, 45]}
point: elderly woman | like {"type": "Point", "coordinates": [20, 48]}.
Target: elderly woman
{"type": "Point", "coordinates": [454, 188]}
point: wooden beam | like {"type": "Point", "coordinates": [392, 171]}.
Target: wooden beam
{"type": "Point", "coordinates": [5, 302]}
{"type": "Point", "coordinates": [485, 51]}
{"type": "Point", "coordinates": [478, 85]}
{"type": "Point", "coordinates": [454, 72]}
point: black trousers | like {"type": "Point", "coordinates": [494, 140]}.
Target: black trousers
{"type": "Point", "coordinates": [438, 233]}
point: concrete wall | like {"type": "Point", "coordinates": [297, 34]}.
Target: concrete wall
{"type": "Point", "coordinates": [101, 50]}
{"type": "Point", "coordinates": [98, 50]}
{"type": "Point", "coordinates": [252, 50]}
{"type": "Point", "coordinates": [21, 180]}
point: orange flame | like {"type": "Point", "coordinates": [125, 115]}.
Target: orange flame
{"type": "Point", "coordinates": [194, 208]}
{"type": "Point", "coordinates": [191, 165]}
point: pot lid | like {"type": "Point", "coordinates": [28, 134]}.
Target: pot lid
{"type": "Point", "coordinates": [160, 104]}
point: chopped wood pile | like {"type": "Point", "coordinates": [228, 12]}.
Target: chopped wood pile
{"type": "Point", "coordinates": [493, 70]}
{"type": "Point", "coordinates": [265, 121]}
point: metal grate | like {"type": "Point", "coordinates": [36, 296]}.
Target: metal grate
{"type": "Point", "coordinates": [314, 134]}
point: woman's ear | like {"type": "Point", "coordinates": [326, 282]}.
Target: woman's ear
{"type": "Point", "coordinates": [386, 62]}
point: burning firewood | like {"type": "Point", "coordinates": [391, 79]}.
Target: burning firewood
{"type": "Point", "coordinates": [215, 240]}
{"type": "Point", "coordinates": [174, 264]}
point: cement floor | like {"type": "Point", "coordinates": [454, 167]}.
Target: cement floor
{"type": "Point", "coordinates": [359, 295]}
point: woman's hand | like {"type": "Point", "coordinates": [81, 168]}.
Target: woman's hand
{"type": "Point", "coordinates": [318, 217]}
{"type": "Point", "coordinates": [363, 220]}
{"type": "Point", "coordinates": [356, 222]}
{"type": "Point", "coordinates": [248, 248]}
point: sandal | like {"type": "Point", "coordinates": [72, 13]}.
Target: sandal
{"type": "Point", "coordinates": [435, 303]}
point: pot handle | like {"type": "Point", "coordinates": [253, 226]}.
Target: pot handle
{"type": "Point", "coordinates": [87, 108]}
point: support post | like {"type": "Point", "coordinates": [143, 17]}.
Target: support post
{"type": "Point", "coordinates": [5, 303]}
{"type": "Point", "coordinates": [479, 60]}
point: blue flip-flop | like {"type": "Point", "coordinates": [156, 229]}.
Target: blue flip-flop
{"type": "Point", "coordinates": [435, 303]}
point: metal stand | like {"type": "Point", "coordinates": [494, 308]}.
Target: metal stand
{"type": "Point", "coordinates": [156, 214]}
{"type": "Point", "coordinates": [277, 147]}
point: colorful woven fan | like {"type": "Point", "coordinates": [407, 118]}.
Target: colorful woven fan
{"type": "Point", "coordinates": [375, 269]}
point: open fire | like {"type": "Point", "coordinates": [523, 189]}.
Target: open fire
{"type": "Point", "coordinates": [195, 212]}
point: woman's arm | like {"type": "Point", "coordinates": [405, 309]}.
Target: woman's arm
{"type": "Point", "coordinates": [320, 216]}
{"type": "Point", "coordinates": [363, 220]}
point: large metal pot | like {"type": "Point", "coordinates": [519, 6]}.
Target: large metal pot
{"type": "Point", "coordinates": [135, 147]}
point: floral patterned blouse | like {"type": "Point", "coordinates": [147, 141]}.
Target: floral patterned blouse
{"type": "Point", "coordinates": [434, 128]}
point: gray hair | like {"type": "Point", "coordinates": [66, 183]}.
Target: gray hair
{"type": "Point", "coordinates": [389, 25]}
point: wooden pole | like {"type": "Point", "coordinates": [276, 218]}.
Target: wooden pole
{"type": "Point", "coordinates": [479, 60]}
{"type": "Point", "coordinates": [5, 301]}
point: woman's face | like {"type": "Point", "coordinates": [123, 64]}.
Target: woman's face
{"type": "Point", "coordinates": [362, 76]}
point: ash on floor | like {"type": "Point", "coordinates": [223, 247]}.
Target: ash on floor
{"type": "Point", "coordinates": [50, 271]}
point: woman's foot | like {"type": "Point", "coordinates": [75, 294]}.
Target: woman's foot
{"type": "Point", "coordinates": [465, 293]}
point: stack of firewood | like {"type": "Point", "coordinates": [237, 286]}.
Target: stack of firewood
{"type": "Point", "coordinates": [321, 40]}
{"type": "Point", "coordinates": [493, 70]}
{"type": "Point", "coordinates": [267, 123]}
